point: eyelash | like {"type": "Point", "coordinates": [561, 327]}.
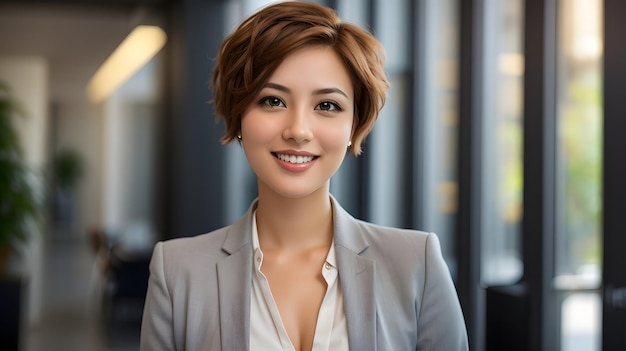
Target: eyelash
{"type": "Point", "coordinates": [334, 104]}
{"type": "Point", "coordinates": [266, 101]}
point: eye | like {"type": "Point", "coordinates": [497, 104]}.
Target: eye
{"type": "Point", "coordinates": [328, 106]}
{"type": "Point", "coordinates": [272, 101]}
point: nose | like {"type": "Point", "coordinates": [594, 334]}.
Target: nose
{"type": "Point", "coordinates": [297, 126]}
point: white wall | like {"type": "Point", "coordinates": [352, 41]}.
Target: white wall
{"type": "Point", "coordinates": [78, 126]}
{"type": "Point", "coordinates": [27, 77]}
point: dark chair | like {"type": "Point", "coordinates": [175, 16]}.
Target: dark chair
{"type": "Point", "coordinates": [128, 275]}
{"type": "Point", "coordinates": [11, 291]}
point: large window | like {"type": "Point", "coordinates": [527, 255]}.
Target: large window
{"type": "Point", "coordinates": [387, 174]}
{"type": "Point", "coordinates": [502, 111]}
{"type": "Point", "coordinates": [579, 128]}
{"type": "Point", "coordinates": [437, 83]}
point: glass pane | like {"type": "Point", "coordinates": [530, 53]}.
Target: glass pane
{"type": "Point", "coordinates": [579, 154]}
{"type": "Point", "coordinates": [438, 81]}
{"type": "Point", "coordinates": [503, 81]}
{"type": "Point", "coordinates": [580, 327]}
{"type": "Point", "coordinates": [392, 21]}
{"type": "Point", "coordinates": [354, 11]}
{"type": "Point", "coordinates": [578, 254]}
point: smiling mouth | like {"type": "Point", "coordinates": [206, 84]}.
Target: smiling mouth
{"type": "Point", "coordinates": [293, 158]}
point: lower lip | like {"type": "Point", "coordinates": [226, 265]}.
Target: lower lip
{"type": "Point", "coordinates": [295, 167]}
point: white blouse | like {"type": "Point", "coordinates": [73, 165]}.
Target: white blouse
{"type": "Point", "coordinates": [267, 331]}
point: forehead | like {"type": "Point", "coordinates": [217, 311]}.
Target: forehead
{"type": "Point", "coordinates": [315, 67]}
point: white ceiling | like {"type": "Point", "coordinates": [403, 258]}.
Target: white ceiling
{"type": "Point", "coordinates": [74, 39]}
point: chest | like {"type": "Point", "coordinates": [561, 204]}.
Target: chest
{"type": "Point", "coordinates": [297, 287]}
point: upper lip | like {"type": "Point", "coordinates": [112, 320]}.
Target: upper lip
{"type": "Point", "coordinates": [294, 153]}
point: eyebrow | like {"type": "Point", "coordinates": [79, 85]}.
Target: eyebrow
{"type": "Point", "coordinates": [316, 92]}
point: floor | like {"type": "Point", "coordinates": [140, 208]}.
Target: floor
{"type": "Point", "coordinates": [72, 316]}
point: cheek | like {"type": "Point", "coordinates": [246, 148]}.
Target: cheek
{"type": "Point", "coordinates": [335, 136]}
{"type": "Point", "coordinates": [255, 129]}
{"type": "Point", "coordinates": [247, 124]}
{"type": "Point", "coordinates": [334, 139]}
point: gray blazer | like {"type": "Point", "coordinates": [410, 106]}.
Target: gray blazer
{"type": "Point", "coordinates": [397, 290]}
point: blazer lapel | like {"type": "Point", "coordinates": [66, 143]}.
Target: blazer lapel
{"type": "Point", "coordinates": [234, 279]}
{"type": "Point", "coordinates": [356, 276]}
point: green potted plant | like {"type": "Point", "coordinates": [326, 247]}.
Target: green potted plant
{"type": "Point", "coordinates": [19, 204]}
{"type": "Point", "coordinates": [68, 168]}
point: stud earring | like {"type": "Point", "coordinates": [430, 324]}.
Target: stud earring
{"type": "Point", "coordinates": [349, 143]}
{"type": "Point", "coordinates": [239, 137]}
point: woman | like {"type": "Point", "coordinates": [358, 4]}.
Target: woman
{"type": "Point", "coordinates": [298, 89]}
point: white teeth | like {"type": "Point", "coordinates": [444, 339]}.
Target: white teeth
{"type": "Point", "coordinates": [295, 159]}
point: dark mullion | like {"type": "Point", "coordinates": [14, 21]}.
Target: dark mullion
{"type": "Point", "coordinates": [195, 189]}
{"type": "Point", "coordinates": [416, 120]}
{"type": "Point", "coordinates": [410, 171]}
{"type": "Point", "coordinates": [614, 173]}
{"type": "Point", "coordinates": [364, 160]}
{"type": "Point", "coordinates": [538, 227]}
{"type": "Point", "coordinates": [469, 158]}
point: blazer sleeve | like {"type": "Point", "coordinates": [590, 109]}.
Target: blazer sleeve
{"type": "Point", "coordinates": [157, 327]}
{"type": "Point", "coordinates": [441, 325]}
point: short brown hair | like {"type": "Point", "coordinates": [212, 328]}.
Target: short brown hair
{"type": "Point", "coordinates": [248, 57]}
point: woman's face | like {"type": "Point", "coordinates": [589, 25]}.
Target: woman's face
{"type": "Point", "coordinates": [296, 131]}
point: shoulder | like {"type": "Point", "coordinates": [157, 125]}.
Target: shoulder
{"type": "Point", "coordinates": [206, 243]}
{"type": "Point", "coordinates": [363, 237]}
{"type": "Point", "coordinates": [401, 250]}
{"type": "Point", "coordinates": [390, 246]}
{"type": "Point", "coordinates": [191, 251]}
{"type": "Point", "coordinates": [395, 239]}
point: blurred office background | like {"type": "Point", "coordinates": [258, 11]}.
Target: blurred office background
{"type": "Point", "coordinates": [502, 133]}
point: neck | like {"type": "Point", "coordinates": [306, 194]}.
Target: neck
{"type": "Point", "coordinates": [295, 224]}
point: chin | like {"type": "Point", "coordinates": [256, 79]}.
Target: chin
{"type": "Point", "coordinates": [294, 195]}
{"type": "Point", "coordinates": [295, 190]}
